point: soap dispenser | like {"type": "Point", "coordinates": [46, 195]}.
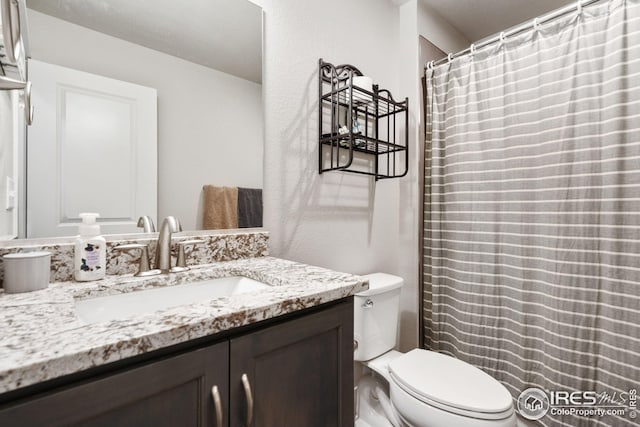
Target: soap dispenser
{"type": "Point", "coordinates": [90, 250]}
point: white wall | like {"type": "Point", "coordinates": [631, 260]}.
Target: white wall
{"type": "Point", "coordinates": [415, 21]}
{"type": "Point", "coordinates": [209, 123]}
{"type": "Point", "coordinates": [409, 209]}
{"type": "Point", "coordinates": [438, 31]}
{"type": "Point", "coordinates": [337, 220]}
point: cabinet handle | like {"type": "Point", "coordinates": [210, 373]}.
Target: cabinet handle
{"type": "Point", "coordinates": [249, 397]}
{"type": "Point", "coordinates": [217, 403]}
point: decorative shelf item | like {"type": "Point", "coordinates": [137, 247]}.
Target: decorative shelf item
{"type": "Point", "coordinates": [356, 116]}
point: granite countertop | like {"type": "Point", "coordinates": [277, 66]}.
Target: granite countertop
{"type": "Point", "coordinates": [42, 338]}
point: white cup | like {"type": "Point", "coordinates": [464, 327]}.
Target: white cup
{"type": "Point", "coordinates": [26, 271]}
{"type": "Point", "coordinates": [362, 82]}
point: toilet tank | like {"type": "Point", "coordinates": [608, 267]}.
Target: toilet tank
{"type": "Point", "coordinates": [376, 316]}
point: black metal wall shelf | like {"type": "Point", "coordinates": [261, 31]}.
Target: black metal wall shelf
{"type": "Point", "coordinates": [381, 125]}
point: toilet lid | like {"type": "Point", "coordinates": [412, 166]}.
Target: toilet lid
{"type": "Point", "coordinates": [449, 382]}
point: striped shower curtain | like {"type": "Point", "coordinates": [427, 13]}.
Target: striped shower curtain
{"type": "Point", "coordinates": [532, 211]}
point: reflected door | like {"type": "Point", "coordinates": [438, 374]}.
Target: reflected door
{"type": "Point", "coordinates": [92, 148]}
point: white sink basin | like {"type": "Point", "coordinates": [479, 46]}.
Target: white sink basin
{"type": "Point", "coordinates": [112, 307]}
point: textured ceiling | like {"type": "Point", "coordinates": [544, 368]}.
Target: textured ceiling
{"type": "Point", "coordinates": [222, 34]}
{"type": "Point", "coordinates": [477, 19]}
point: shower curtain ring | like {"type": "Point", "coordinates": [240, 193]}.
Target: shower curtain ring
{"type": "Point", "coordinates": [579, 7]}
{"type": "Point", "coordinates": [472, 49]}
{"type": "Point", "coordinates": [430, 65]}
{"type": "Point", "coordinates": [536, 23]}
{"type": "Point", "coordinates": [502, 36]}
{"type": "Point", "coordinates": [450, 57]}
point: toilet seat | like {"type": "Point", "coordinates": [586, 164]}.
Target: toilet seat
{"type": "Point", "coordinates": [450, 384]}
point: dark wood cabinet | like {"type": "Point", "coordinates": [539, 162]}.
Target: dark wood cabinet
{"type": "Point", "coordinates": [299, 371]}
{"type": "Point", "coordinates": [172, 392]}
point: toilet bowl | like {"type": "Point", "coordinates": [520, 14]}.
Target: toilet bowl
{"type": "Point", "coordinates": [425, 388]}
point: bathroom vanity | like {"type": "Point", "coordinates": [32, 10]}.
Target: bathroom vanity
{"type": "Point", "coordinates": [278, 356]}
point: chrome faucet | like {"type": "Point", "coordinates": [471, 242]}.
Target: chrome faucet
{"type": "Point", "coordinates": [163, 248]}
{"type": "Point", "coordinates": [146, 223]}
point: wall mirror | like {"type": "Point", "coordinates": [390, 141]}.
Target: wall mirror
{"type": "Point", "coordinates": [138, 105]}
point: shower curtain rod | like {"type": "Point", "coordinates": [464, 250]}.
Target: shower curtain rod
{"type": "Point", "coordinates": [577, 6]}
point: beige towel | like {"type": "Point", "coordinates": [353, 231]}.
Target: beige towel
{"type": "Point", "coordinates": [220, 207]}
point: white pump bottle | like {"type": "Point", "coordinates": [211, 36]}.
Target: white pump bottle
{"type": "Point", "coordinates": [90, 250]}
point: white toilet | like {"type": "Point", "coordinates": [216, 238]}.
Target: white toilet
{"type": "Point", "coordinates": [427, 389]}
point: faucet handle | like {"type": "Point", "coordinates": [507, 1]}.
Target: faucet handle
{"type": "Point", "coordinates": [175, 223]}
{"type": "Point", "coordinates": [146, 223]}
{"type": "Point", "coordinates": [181, 263]}
{"type": "Point", "coordinates": [143, 266]}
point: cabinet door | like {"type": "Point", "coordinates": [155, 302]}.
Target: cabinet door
{"type": "Point", "coordinates": [300, 372]}
{"type": "Point", "coordinates": [171, 392]}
